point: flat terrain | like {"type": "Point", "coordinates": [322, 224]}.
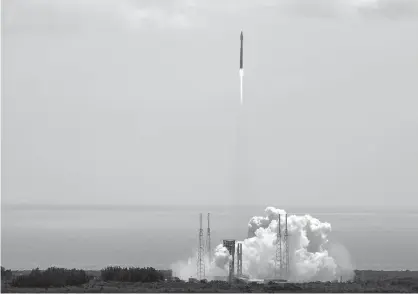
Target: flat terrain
{"type": "Point", "coordinates": [365, 281]}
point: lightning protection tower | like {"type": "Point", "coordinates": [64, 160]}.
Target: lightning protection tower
{"type": "Point", "coordinates": [279, 256]}
{"type": "Point", "coordinates": [201, 254]}
{"type": "Point", "coordinates": [286, 251]}
{"type": "Point", "coordinates": [208, 245]}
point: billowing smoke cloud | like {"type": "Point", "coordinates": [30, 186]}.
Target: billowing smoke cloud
{"type": "Point", "coordinates": [312, 258]}
{"type": "Point", "coordinates": [218, 267]}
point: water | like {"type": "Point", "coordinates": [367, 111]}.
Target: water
{"type": "Point", "coordinates": [96, 236]}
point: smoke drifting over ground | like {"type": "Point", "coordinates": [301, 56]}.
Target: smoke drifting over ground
{"type": "Point", "coordinates": [312, 258]}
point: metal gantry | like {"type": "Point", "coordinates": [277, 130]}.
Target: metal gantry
{"type": "Point", "coordinates": [230, 245]}
{"type": "Point", "coordinates": [239, 259]}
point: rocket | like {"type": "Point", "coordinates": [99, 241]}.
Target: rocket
{"type": "Point", "coordinates": [241, 57]}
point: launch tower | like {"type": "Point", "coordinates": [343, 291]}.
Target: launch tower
{"type": "Point", "coordinates": [239, 259]}
{"type": "Point", "coordinates": [230, 245]}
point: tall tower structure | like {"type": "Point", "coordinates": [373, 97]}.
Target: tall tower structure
{"type": "Point", "coordinates": [201, 254]}
{"type": "Point", "coordinates": [208, 245]}
{"type": "Point", "coordinates": [286, 251]}
{"type": "Point", "coordinates": [230, 245]}
{"type": "Point", "coordinates": [239, 259]}
{"type": "Point", "coordinates": [278, 273]}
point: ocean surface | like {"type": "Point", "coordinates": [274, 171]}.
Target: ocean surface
{"type": "Point", "coordinates": [92, 237]}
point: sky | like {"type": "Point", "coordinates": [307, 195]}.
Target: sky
{"type": "Point", "coordinates": [137, 102]}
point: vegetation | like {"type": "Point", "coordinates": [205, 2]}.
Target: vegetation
{"type": "Point", "coordinates": [52, 277]}
{"type": "Point", "coordinates": [128, 280]}
{"type": "Point", "coordinates": [132, 274]}
{"type": "Point", "coordinates": [6, 274]}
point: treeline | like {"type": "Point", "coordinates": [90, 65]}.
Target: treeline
{"type": "Point", "coordinates": [52, 277]}
{"type": "Point", "coordinates": [132, 274]}
{"type": "Point", "coordinates": [5, 274]}
{"type": "Point", "coordinates": [61, 277]}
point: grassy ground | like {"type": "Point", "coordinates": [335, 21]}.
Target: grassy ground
{"type": "Point", "coordinates": [366, 281]}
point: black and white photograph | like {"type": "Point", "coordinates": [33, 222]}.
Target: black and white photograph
{"type": "Point", "coordinates": [209, 146]}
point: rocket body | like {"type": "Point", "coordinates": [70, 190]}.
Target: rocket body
{"type": "Point", "coordinates": [241, 58]}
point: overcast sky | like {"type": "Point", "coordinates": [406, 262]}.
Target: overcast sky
{"type": "Point", "coordinates": [136, 102]}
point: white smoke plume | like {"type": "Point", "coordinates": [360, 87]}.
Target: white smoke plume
{"type": "Point", "coordinates": [311, 257]}
{"type": "Point", "coordinates": [219, 266]}
{"type": "Point", "coordinates": [241, 76]}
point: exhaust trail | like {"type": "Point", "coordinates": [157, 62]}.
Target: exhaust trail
{"type": "Point", "coordinates": [241, 76]}
{"type": "Point", "coordinates": [240, 154]}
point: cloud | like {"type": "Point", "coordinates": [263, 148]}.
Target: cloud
{"type": "Point", "coordinates": [136, 18]}
{"type": "Point", "coordinates": [62, 16]}
{"type": "Point", "coordinates": [84, 15]}
{"type": "Point", "coordinates": [394, 9]}
{"type": "Point", "coordinates": [390, 8]}
{"type": "Point", "coordinates": [313, 8]}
